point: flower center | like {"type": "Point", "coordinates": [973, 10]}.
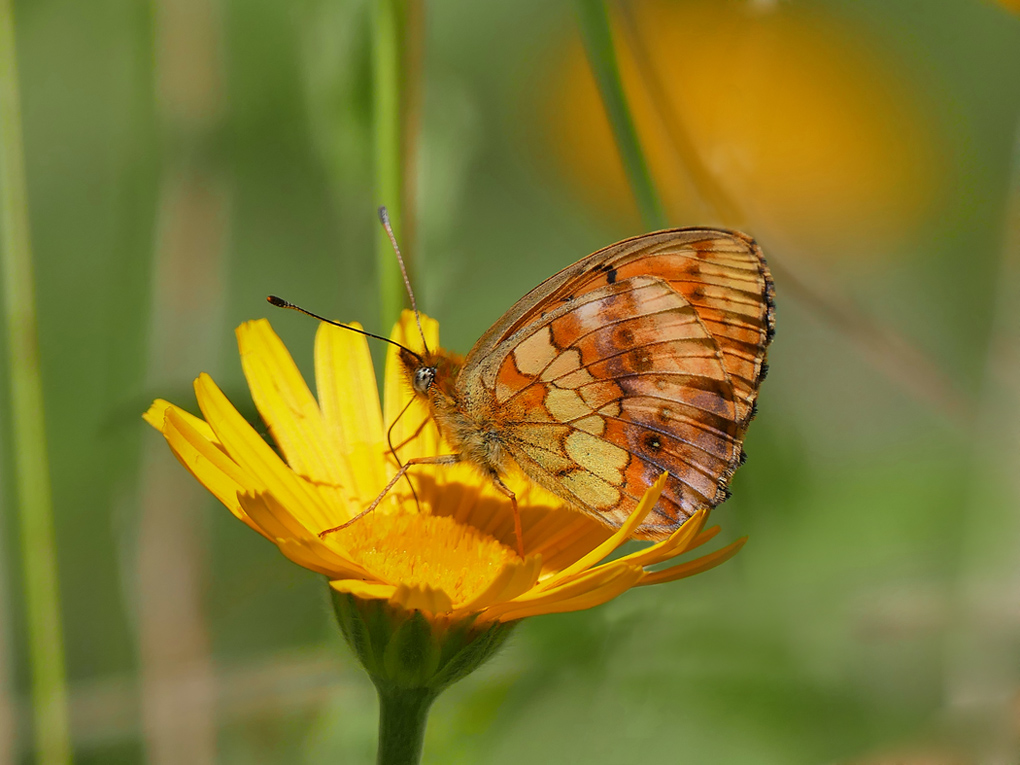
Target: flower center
{"type": "Point", "coordinates": [419, 549]}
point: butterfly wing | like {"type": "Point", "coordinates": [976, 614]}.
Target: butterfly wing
{"type": "Point", "coordinates": [606, 375]}
{"type": "Point", "coordinates": [722, 274]}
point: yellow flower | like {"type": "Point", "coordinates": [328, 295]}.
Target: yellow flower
{"type": "Point", "coordinates": [450, 553]}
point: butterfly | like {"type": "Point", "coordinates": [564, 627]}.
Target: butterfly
{"type": "Point", "coordinates": [643, 358]}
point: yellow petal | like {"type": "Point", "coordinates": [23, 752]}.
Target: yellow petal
{"type": "Point", "coordinates": [349, 399]}
{"type": "Point", "coordinates": [563, 535]}
{"type": "Point", "coordinates": [695, 566]}
{"type": "Point", "coordinates": [156, 415]}
{"type": "Point", "coordinates": [590, 589]}
{"type": "Point", "coordinates": [295, 541]}
{"type": "Point", "coordinates": [253, 454]}
{"type": "Point", "coordinates": [421, 598]}
{"type": "Point", "coordinates": [213, 469]}
{"type": "Point", "coordinates": [515, 579]}
{"type": "Point", "coordinates": [677, 543]}
{"type": "Point", "coordinates": [620, 536]}
{"type": "Point", "coordinates": [366, 590]}
{"type": "Point", "coordinates": [704, 536]}
{"type": "Point", "coordinates": [287, 406]}
{"type": "Point", "coordinates": [397, 391]}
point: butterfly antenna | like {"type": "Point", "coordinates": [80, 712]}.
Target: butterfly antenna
{"type": "Point", "coordinates": [384, 217]}
{"type": "Point", "coordinates": [279, 302]}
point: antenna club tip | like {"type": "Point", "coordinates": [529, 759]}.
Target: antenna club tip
{"type": "Point", "coordinates": [384, 215]}
{"type": "Point", "coordinates": [277, 301]}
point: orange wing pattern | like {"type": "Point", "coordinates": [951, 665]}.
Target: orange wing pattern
{"type": "Point", "coordinates": [722, 274]}
{"type": "Point", "coordinates": [642, 358]}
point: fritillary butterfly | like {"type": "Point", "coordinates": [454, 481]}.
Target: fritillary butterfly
{"type": "Point", "coordinates": [642, 358]}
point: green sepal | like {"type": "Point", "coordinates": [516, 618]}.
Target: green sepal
{"type": "Point", "coordinates": [406, 649]}
{"type": "Point", "coordinates": [412, 656]}
{"type": "Point", "coordinates": [472, 653]}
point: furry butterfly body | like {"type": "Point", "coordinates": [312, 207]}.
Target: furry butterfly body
{"type": "Point", "coordinates": [642, 358]}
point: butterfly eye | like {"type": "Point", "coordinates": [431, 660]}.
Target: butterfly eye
{"type": "Point", "coordinates": [423, 378]}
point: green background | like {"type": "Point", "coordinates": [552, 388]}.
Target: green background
{"type": "Point", "coordinates": [879, 586]}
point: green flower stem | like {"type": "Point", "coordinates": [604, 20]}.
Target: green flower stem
{"type": "Point", "coordinates": [388, 25]}
{"type": "Point", "coordinates": [28, 443]}
{"type": "Point", "coordinates": [403, 714]}
{"type": "Point", "coordinates": [411, 659]}
{"type": "Point", "coordinates": [598, 42]}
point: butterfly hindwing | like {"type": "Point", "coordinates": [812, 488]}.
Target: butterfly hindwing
{"type": "Point", "coordinates": [607, 387]}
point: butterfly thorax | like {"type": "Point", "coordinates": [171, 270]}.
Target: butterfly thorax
{"type": "Point", "coordinates": [467, 429]}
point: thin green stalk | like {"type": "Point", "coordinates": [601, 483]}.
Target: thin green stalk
{"type": "Point", "coordinates": [403, 715]}
{"type": "Point", "coordinates": [598, 42]}
{"type": "Point", "coordinates": [31, 467]}
{"type": "Point", "coordinates": [388, 28]}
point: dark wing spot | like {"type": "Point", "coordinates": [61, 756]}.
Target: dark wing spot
{"type": "Point", "coordinates": [664, 414]}
{"type": "Point", "coordinates": [625, 337]}
{"type": "Point", "coordinates": [697, 292]}
{"type": "Point", "coordinates": [703, 248]}
{"type": "Point", "coordinates": [641, 360]}
{"type": "Point", "coordinates": [610, 271]}
{"type": "Point", "coordinates": [652, 442]}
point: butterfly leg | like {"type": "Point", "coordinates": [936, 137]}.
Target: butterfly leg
{"type": "Point", "coordinates": [443, 459]}
{"type": "Point", "coordinates": [518, 532]}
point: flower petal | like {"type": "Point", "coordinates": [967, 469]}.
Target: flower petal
{"type": "Point", "coordinates": [295, 541]}
{"type": "Point", "coordinates": [711, 560]}
{"type": "Point", "coordinates": [255, 456]}
{"type": "Point", "coordinates": [677, 543]}
{"type": "Point", "coordinates": [704, 536]}
{"type": "Point", "coordinates": [349, 399]}
{"type": "Point", "coordinates": [366, 590]}
{"type": "Point", "coordinates": [156, 415]}
{"type": "Point", "coordinates": [620, 536]}
{"type": "Point", "coordinates": [590, 589]}
{"type": "Point", "coordinates": [397, 392]}
{"type": "Point", "coordinates": [561, 535]}
{"type": "Point", "coordinates": [207, 462]}
{"type": "Point", "coordinates": [421, 598]}
{"type": "Point", "coordinates": [286, 405]}
{"type": "Point", "coordinates": [514, 579]}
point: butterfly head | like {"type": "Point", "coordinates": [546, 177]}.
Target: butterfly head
{"type": "Point", "coordinates": [431, 373]}
{"type": "Point", "coordinates": [422, 378]}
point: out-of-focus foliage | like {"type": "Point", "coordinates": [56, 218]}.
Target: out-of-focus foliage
{"type": "Point", "coordinates": [799, 112]}
{"type": "Point", "coordinates": [872, 612]}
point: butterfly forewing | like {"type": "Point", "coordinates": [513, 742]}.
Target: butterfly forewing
{"type": "Point", "coordinates": [721, 274]}
{"type": "Point", "coordinates": [611, 383]}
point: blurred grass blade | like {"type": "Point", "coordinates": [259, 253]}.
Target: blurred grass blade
{"type": "Point", "coordinates": [720, 205]}
{"type": "Point", "coordinates": [395, 27]}
{"type": "Point", "coordinates": [31, 467]}
{"type": "Point", "coordinates": [982, 675]}
{"type": "Point", "coordinates": [598, 42]}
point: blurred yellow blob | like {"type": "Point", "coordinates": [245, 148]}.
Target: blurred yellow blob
{"type": "Point", "coordinates": [813, 135]}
